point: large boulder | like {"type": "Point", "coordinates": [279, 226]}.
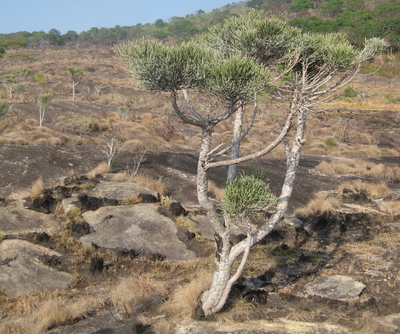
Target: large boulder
{"type": "Point", "coordinates": [14, 218]}
{"type": "Point", "coordinates": [23, 271]}
{"type": "Point", "coordinates": [140, 227]}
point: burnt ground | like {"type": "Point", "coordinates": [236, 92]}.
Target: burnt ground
{"type": "Point", "coordinates": [21, 166]}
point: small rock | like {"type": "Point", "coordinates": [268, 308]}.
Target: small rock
{"type": "Point", "coordinates": [337, 287]}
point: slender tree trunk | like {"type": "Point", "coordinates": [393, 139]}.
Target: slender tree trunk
{"type": "Point", "coordinates": [235, 150]}
{"type": "Point", "coordinates": [73, 91]}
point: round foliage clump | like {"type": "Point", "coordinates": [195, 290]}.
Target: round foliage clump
{"type": "Point", "coordinates": [246, 194]}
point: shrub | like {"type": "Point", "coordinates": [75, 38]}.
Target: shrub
{"type": "Point", "coordinates": [246, 194]}
{"type": "Point", "coordinates": [329, 142]}
{"type": "Point", "coordinates": [350, 92]}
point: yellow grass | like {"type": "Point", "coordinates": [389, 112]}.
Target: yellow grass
{"type": "Point", "coordinates": [150, 183]}
{"type": "Point", "coordinates": [184, 300]}
{"type": "Point", "coordinates": [99, 169]}
{"type": "Point", "coordinates": [322, 203]}
{"type": "Point", "coordinates": [37, 187]}
{"type": "Point", "coordinates": [139, 293]}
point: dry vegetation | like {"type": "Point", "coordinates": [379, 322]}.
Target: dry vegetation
{"type": "Point", "coordinates": [108, 100]}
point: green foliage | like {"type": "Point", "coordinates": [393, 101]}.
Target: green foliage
{"type": "Point", "coordinates": [161, 68]}
{"type": "Point", "coordinates": [246, 194]}
{"type": "Point", "coordinates": [236, 78]}
{"type": "Point", "coordinates": [349, 92]}
{"type": "Point", "coordinates": [300, 5]}
{"type": "Point", "coordinates": [74, 73]}
{"type": "Point", "coordinates": [330, 142]}
{"type": "Point", "coordinates": [256, 4]}
{"type": "Point", "coordinates": [39, 78]}
{"type": "Point", "coordinates": [44, 100]}
{"type": "Point", "coordinates": [259, 174]}
{"type": "Point", "coordinates": [5, 108]}
{"type": "Point", "coordinates": [391, 98]}
{"type": "Point", "coordinates": [252, 35]}
{"type": "Point", "coordinates": [21, 88]}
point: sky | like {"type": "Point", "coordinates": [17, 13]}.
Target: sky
{"type": "Point", "coordinates": [81, 15]}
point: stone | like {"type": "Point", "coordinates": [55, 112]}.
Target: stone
{"type": "Point", "coordinates": [139, 227]}
{"type": "Point", "coordinates": [14, 218]}
{"type": "Point", "coordinates": [177, 209]}
{"type": "Point", "coordinates": [337, 287]}
{"type": "Point", "coordinates": [26, 272]}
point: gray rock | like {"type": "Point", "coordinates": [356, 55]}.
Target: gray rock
{"type": "Point", "coordinates": [259, 327]}
{"type": "Point", "coordinates": [23, 272]}
{"type": "Point", "coordinates": [118, 190]}
{"type": "Point", "coordinates": [138, 227]}
{"type": "Point", "coordinates": [14, 218]}
{"type": "Point", "coordinates": [337, 287]}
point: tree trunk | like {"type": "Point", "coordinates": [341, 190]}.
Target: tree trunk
{"type": "Point", "coordinates": [235, 150]}
{"type": "Point", "coordinates": [73, 91]}
{"type": "Point", "coordinates": [213, 300]}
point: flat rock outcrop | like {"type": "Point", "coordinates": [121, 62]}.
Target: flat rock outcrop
{"type": "Point", "coordinates": [22, 271]}
{"type": "Point", "coordinates": [139, 227]}
{"type": "Point", "coordinates": [337, 287]}
{"type": "Point", "coordinates": [14, 218]}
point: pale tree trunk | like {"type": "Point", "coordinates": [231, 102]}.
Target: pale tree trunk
{"type": "Point", "coordinates": [42, 112]}
{"type": "Point", "coordinates": [213, 300]}
{"type": "Point", "coordinates": [235, 150]}
{"type": "Point", "coordinates": [73, 91]}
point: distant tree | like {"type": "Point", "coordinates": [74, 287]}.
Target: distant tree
{"type": "Point", "coordinates": [256, 4]}
{"type": "Point", "coordinates": [74, 75]}
{"type": "Point", "coordinates": [43, 101]}
{"type": "Point", "coordinates": [159, 23]}
{"type": "Point", "coordinates": [5, 109]}
{"type": "Point", "coordinates": [200, 11]}
{"type": "Point", "coordinates": [7, 81]}
{"type": "Point", "coordinates": [300, 5]}
{"type": "Point", "coordinates": [332, 7]}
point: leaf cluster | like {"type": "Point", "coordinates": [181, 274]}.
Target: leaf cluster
{"type": "Point", "coordinates": [246, 194]}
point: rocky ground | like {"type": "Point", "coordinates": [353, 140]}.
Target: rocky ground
{"type": "Point", "coordinates": [335, 271]}
{"type": "Point", "coordinates": [329, 272]}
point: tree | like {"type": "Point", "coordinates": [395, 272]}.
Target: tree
{"type": "Point", "coordinates": [300, 5]}
{"type": "Point", "coordinates": [233, 78]}
{"type": "Point", "coordinates": [43, 101]}
{"type": "Point", "coordinates": [74, 75]}
{"type": "Point", "coordinates": [5, 109]}
{"type": "Point", "coordinates": [7, 81]}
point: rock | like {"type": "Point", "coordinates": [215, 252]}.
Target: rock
{"type": "Point", "coordinates": [148, 198]}
{"type": "Point", "coordinates": [337, 287]}
{"type": "Point", "coordinates": [96, 265]}
{"type": "Point", "coordinates": [258, 327]}
{"type": "Point", "coordinates": [139, 227]}
{"type": "Point", "coordinates": [87, 202]}
{"type": "Point", "coordinates": [14, 218]}
{"type": "Point", "coordinates": [119, 190]}
{"type": "Point", "coordinates": [26, 272]}
{"type": "Point", "coordinates": [177, 209]}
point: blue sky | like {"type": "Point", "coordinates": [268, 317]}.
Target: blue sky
{"type": "Point", "coordinates": [81, 15]}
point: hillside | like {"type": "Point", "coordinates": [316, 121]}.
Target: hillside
{"type": "Point", "coordinates": [359, 19]}
{"type": "Point", "coordinates": [89, 248]}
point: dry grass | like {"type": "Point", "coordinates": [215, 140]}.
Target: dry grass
{"type": "Point", "coordinates": [214, 191]}
{"type": "Point", "coordinates": [185, 299]}
{"type": "Point", "coordinates": [145, 181]}
{"type": "Point", "coordinates": [41, 311]}
{"type": "Point", "coordinates": [138, 294]}
{"type": "Point", "coordinates": [375, 191]}
{"type": "Point", "coordinates": [391, 207]}
{"type": "Point", "coordinates": [322, 203]}
{"type": "Point", "coordinates": [389, 173]}
{"type": "Point", "coordinates": [37, 188]}
{"type": "Point", "coordinates": [99, 169]}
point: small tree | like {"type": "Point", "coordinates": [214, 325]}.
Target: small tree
{"type": "Point", "coordinates": [5, 109]}
{"type": "Point", "coordinates": [7, 81]}
{"type": "Point", "coordinates": [43, 101]}
{"type": "Point", "coordinates": [74, 75]}
{"type": "Point", "coordinates": [316, 65]}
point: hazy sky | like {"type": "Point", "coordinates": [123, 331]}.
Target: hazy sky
{"type": "Point", "coordinates": [81, 15]}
